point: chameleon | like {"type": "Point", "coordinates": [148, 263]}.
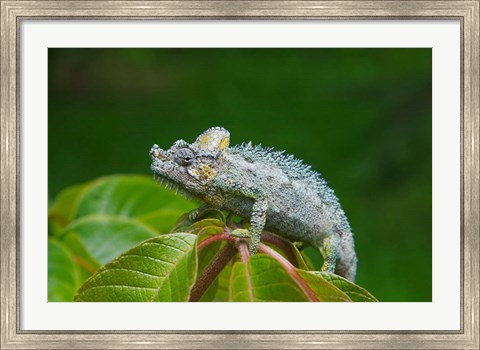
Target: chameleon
{"type": "Point", "coordinates": [275, 191]}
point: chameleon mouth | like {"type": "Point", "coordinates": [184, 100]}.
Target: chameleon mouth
{"type": "Point", "coordinates": [165, 182]}
{"type": "Point", "coordinates": [170, 185]}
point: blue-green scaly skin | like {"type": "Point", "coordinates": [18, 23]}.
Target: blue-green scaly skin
{"type": "Point", "coordinates": [275, 191]}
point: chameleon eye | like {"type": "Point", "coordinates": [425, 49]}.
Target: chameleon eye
{"type": "Point", "coordinates": [184, 156]}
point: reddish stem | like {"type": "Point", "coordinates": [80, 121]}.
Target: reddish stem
{"type": "Point", "coordinates": [226, 254]}
{"type": "Point", "coordinates": [244, 256]}
{"type": "Point", "coordinates": [215, 238]}
{"type": "Point", "coordinates": [281, 244]}
{"type": "Point", "coordinates": [243, 249]}
{"type": "Point", "coordinates": [290, 270]}
{"type": "Point", "coordinates": [212, 271]}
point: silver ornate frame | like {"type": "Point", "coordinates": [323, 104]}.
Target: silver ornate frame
{"type": "Point", "coordinates": [12, 13]}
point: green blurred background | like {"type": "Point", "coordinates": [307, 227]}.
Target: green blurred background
{"type": "Point", "coordinates": [361, 117]}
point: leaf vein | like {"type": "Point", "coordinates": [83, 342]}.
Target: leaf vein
{"type": "Point", "coordinates": [136, 271]}
{"type": "Point", "coordinates": [164, 245]}
{"type": "Point", "coordinates": [148, 257]}
{"type": "Point", "coordinates": [118, 286]}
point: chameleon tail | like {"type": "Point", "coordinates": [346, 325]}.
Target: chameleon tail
{"type": "Point", "coordinates": [347, 260]}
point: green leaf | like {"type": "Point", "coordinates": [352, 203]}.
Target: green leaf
{"type": "Point", "coordinates": [324, 290]}
{"type": "Point", "coordinates": [64, 207]}
{"type": "Point", "coordinates": [182, 224]}
{"type": "Point", "coordinates": [98, 239]}
{"type": "Point", "coordinates": [206, 223]}
{"type": "Point", "coordinates": [263, 279]}
{"type": "Point", "coordinates": [160, 269]}
{"type": "Point", "coordinates": [212, 214]}
{"type": "Point", "coordinates": [162, 220]}
{"type": "Point", "coordinates": [208, 231]}
{"type": "Point", "coordinates": [212, 219]}
{"type": "Point", "coordinates": [133, 196]}
{"type": "Point", "coordinates": [62, 272]}
{"type": "Point", "coordinates": [355, 292]}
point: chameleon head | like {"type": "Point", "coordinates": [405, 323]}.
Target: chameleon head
{"type": "Point", "coordinates": [191, 167]}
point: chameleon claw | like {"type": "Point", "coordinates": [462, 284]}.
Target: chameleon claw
{"type": "Point", "coordinates": [241, 233]}
{"type": "Point", "coordinates": [244, 233]}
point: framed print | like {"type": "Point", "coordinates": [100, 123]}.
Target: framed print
{"type": "Point", "coordinates": [322, 151]}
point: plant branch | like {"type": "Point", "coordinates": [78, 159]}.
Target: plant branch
{"type": "Point", "coordinates": [290, 270]}
{"type": "Point", "coordinates": [211, 272]}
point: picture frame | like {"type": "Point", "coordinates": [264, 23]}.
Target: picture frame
{"type": "Point", "coordinates": [13, 12]}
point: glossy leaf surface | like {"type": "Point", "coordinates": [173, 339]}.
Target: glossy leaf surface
{"type": "Point", "coordinates": [159, 269]}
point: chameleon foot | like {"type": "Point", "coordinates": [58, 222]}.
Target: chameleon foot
{"type": "Point", "coordinates": [244, 233]}
{"type": "Point", "coordinates": [241, 233]}
{"type": "Point", "coordinates": [330, 254]}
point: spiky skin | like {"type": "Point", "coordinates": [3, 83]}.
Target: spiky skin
{"type": "Point", "coordinates": [275, 191]}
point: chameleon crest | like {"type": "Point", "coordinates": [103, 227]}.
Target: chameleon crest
{"type": "Point", "coordinates": [275, 191]}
